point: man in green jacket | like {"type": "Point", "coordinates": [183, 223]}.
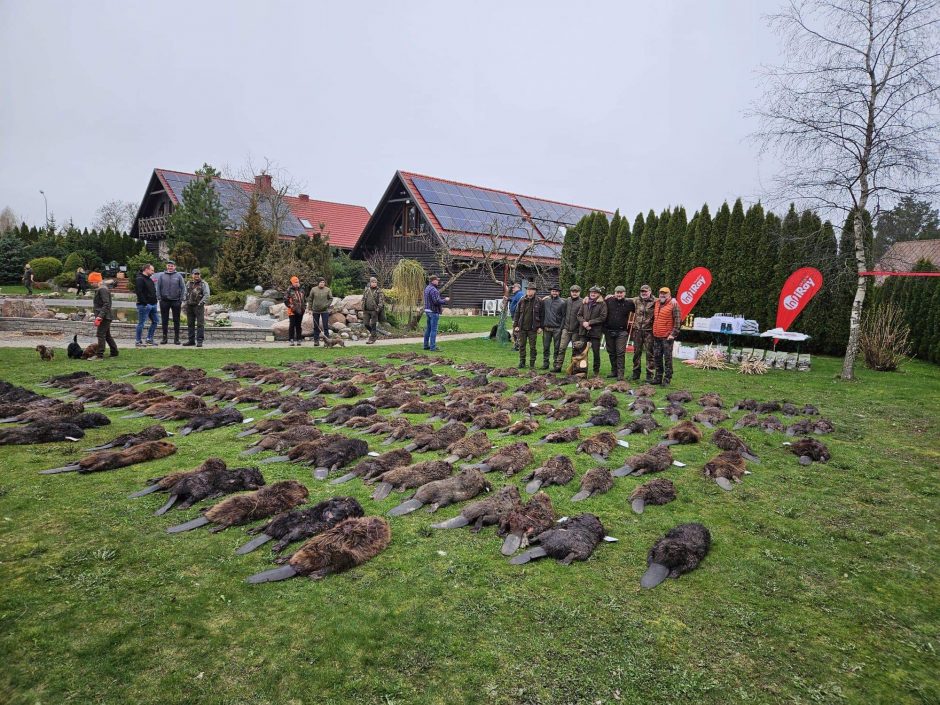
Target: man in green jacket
{"type": "Point", "coordinates": [320, 299]}
{"type": "Point", "coordinates": [101, 305]}
{"type": "Point", "coordinates": [569, 325]}
{"type": "Point", "coordinates": [643, 333]}
{"type": "Point", "coordinates": [373, 302]}
{"type": "Point", "coordinates": [527, 324]}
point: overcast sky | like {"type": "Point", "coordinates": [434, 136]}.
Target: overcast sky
{"type": "Point", "coordinates": [634, 105]}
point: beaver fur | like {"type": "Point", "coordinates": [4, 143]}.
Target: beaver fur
{"type": "Point", "coordinates": [599, 445]}
{"type": "Point", "coordinates": [710, 416]}
{"type": "Point", "coordinates": [408, 430]}
{"type": "Point", "coordinates": [678, 552]}
{"type": "Point", "coordinates": [609, 417]}
{"type": "Point", "coordinates": [514, 402]}
{"type": "Point", "coordinates": [165, 482]}
{"type": "Point", "coordinates": [101, 389]}
{"type": "Point", "coordinates": [214, 419]}
{"type": "Point", "coordinates": [565, 412]}
{"type": "Point", "coordinates": [558, 470]}
{"type": "Point", "coordinates": [67, 380]}
{"type": "Point", "coordinates": [375, 466]}
{"type": "Point", "coordinates": [748, 404]}
{"type": "Point", "coordinates": [594, 481]}
{"type": "Point", "coordinates": [656, 459]}
{"type": "Point", "coordinates": [647, 390]}
{"type": "Point", "coordinates": [643, 405]}
{"type": "Point", "coordinates": [553, 394]}
{"type": "Point", "coordinates": [281, 441]}
{"type": "Point", "coordinates": [210, 482]}
{"type": "Point", "coordinates": [725, 467]}
{"type": "Point", "coordinates": [415, 406]}
{"type": "Point", "coordinates": [472, 446]}
{"type": "Point", "coordinates": [522, 428]}
{"type": "Point", "coordinates": [306, 451]}
{"type": "Point", "coordinates": [579, 396]}
{"type": "Point", "coordinates": [809, 450]}
{"type": "Point", "coordinates": [711, 399]}
{"type": "Point", "coordinates": [54, 411]}
{"type": "Point", "coordinates": [643, 424]}
{"type": "Point", "coordinates": [726, 440]}
{"type": "Point", "coordinates": [439, 439]}
{"type": "Point", "coordinates": [336, 455]}
{"type": "Point", "coordinates": [466, 484]}
{"type": "Point", "coordinates": [176, 409]}
{"type": "Point", "coordinates": [126, 440]}
{"type": "Point", "coordinates": [770, 424]}
{"type": "Point", "coordinates": [509, 459]}
{"type": "Point", "coordinates": [573, 540]}
{"type": "Point", "coordinates": [789, 409]}
{"type": "Point", "coordinates": [89, 419]}
{"type": "Point", "coordinates": [810, 410]}
{"type": "Point", "coordinates": [301, 524]}
{"type": "Point", "coordinates": [251, 506]}
{"type": "Point", "coordinates": [806, 426]}
{"type": "Point", "coordinates": [486, 512]}
{"type": "Point", "coordinates": [659, 490]}
{"type": "Point", "coordinates": [343, 412]}
{"type": "Point", "coordinates": [684, 432]}
{"type": "Point", "coordinates": [768, 407]}
{"type": "Point", "coordinates": [579, 362]}
{"type": "Point", "coordinates": [497, 419]}
{"type": "Point", "coordinates": [347, 545]}
{"type": "Point", "coordinates": [40, 432]}
{"type": "Point", "coordinates": [675, 411]}
{"type": "Point", "coordinates": [114, 459]}
{"type": "Point", "coordinates": [607, 400]}
{"type": "Point", "coordinates": [565, 435]}
{"type": "Point", "coordinates": [526, 520]}
{"type": "Point", "coordinates": [409, 477]}
{"type": "Point", "coordinates": [749, 420]}
{"type": "Point", "coordinates": [680, 396]}
{"type": "Point", "coordinates": [277, 424]}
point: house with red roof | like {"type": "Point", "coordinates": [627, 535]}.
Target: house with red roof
{"type": "Point", "coordinates": [482, 238]}
{"type": "Point", "coordinates": [294, 215]}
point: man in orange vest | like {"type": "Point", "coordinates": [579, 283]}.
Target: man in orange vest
{"type": "Point", "coordinates": [666, 322]}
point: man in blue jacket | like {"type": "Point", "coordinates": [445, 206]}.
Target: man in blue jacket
{"type": "Point", "coordinates": [515, 297]}
{"type": "Point", "coordinates": [433, 307]}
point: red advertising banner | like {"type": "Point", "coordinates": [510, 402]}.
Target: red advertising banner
{"type": "Point", "coordinates": [798, 289]}
{"type": "Point", "coordinates": [693, 285]}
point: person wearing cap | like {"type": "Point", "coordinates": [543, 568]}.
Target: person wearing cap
{"type": "Point", "coordinates": [643, 333]}
{"type": "Point", "coordinates": [527, 324]}
{"type": "Point", "coordinates": [146, 292]}
{"type": "Point", "coordinates": [373, 303]}
{"type": "Point", "coordinates": [619, 309]}
{"type": "Point", "coordinates": [512, 299]}
{"type": "Point", "coordinates": [433, 308]}
{"type": "Point", "coordinates": [101, 305]}
{"type": "Point", "coordinates": [666, 322]}
{"type": "Point", "coordinates": [295, 300]}
{"type": "Point", "coordinates": [553, 316]}
{"type": "Point", "coordinates": [569, 325]}
{"type": "Point", "coordinates": [321, 298]}
{"type": "Point", "coordinates": [171, 290]}
{"type": "Point", "coordinates": [28, 279]}
{"type": "Point", "coordinates": [197, 295]}
{"type": "Point", "coordinates": [591, 317]}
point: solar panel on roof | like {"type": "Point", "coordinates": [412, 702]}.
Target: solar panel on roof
{"type": "Point", "coordinates": [474, 210]}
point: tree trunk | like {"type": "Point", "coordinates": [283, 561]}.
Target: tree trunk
{"type": "Point", "coordinates": [414, 320]}
{"type": "Point", "coordinates": [855, 316]}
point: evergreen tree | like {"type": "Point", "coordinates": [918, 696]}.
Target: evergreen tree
{"type": "Point", "coordinates": [621, 255]}
{"type": "Point", "coordinates": [316, 253]}
{"type": "Point", "coordinates": [700, 239]}
{"type": "Point", "coordinates": [688, 248]}
{"type": "Point", "coordinates": [766, 255]}
{"type": "Point", "coordinates": [672, 248]}
{"type": "Point", "coordinates": [570, 250]}
{"type": "Point", "coordinates": [243, 254]}
{"type": "Point", "coordinates": [819, 319]}
{"type": "Point", "coordinates": [910, 219]}
{"type": "Point", "coordinates": [584, 254]}
{"type": "Point", "coordinates": [644, 269]}
{"type": "Point", "coordinates": [730, 258]}
{"type": "Point", "coordinates": [599, 230]}
{"type": "Point", "coordinates": [12, 258]}
{"type": "Point", "coordinates": [200, 218]}
{"type": "Point", "coordinates": [745, 276]}
{"type": "Point", "coordinates": [710, 303]}
{"type": "Point", "coordinates": [629, 261]}
{"type": "Point", "coordinates": [606, 266]}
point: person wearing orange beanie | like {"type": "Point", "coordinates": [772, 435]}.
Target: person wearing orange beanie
{"type": "Point", "coordinates": [296, 302]}
{"type": "Point", "coordinates": [666, 322]}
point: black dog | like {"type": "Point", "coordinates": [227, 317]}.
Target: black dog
{"type": "Point", "coordinates": [74, 350]}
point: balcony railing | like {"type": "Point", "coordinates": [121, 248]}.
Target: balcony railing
{"type": "Point", "coordinates": [152, 228]}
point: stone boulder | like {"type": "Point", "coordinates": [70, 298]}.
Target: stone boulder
{"type": "Point", "coordinates": [337, 318]}
{"type": "Point", "coordinates": [251, 303]}
{"type": "Point", "coordinates": [264, 306]}
{"type": "Point", "coordinates": [351, 318]}
{"type": "Point", "coordinates": [77, 316]}
{"type": "Point", "coordinates": [278, 311]}
{"type": "Point", "coordinates": [71, 290]}
{"type": "Point", "coordinates": [353, 302]}
{"type": "Point", "coordinates": [279, 329]}
{"type": "Point", "coordinates": [306, 325]}
{"type": "Point", "coordinates": [61, 316]}
{"type": "Point", "coordinates": [213, 309]}
{"type": "Point", "coordinates": [272, 294]}
{"type": "Point", "coordinates": [338, 327]}
{"type": "Point", "coordinates": [24, 308]}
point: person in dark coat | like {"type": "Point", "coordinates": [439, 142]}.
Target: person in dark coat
{"type": "Point", "coordinates": [171, 290]}
{"type": "Point", "coordinates": [527, 324]}
{"type": "Point", "coordinates": [197, 296]}
{"type": "Point", "coordinates": [433, 308]}
{"type": "Point", "coordinates": [28, 279]}
{"type": "Point", "coordinates": [570, 326]}
{"type": "Point", "coordinates": [295, 300]}
{"type": "Point", "coordinates": [101, 305]}
{"type": "Point", "coordinates": [319, 300]}
{"type": "Point", "coordinates": [591, 317]}
{"type": "Point", "coordinates": [643, 333]}
{"type": "Point", "coordinates": [81, 281]}
{"type": "Point", "coordinates": [619, 310]}
{"type": "Point", "coordinates": [373, 303]}
{"type": "Point", "coordinates": [146, 291]}
{"type": "Point", "coordinates": [553, 316]}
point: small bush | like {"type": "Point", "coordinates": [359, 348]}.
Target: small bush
{"type": "Point", "coordinates": [232, 300]}
{"type": "Point", "coordinates": [450, 326]}
{"type": "Point", "coordinates": [45, 268]}
{"type": "Point", "coordinates": [72, 262]}
{"type": "Point", "coordinates": [135, 263]}
{"type": "Point", "coordinates": [884, 338]}
{"type": "Point", "coordinates": [65, 280]}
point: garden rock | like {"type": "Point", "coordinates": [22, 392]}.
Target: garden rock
{"type": "Point", "coordinates": [279, 329]}
{"type": "Point", "coordinates": [351, 303]}
{"type": "Point", "coordinates": [24, 308]}
{"type": "Point", "coordinates": [272, 294]}
{"type": "Point", "coordinates": [61, 316]}
{"type": "Point", "coordinates": [278, 310]}
{"type": "Point", "coordinates": [337, 318]}
{"type": "Point", "coordinates": [251, 303]}
{"type": "Point", "coordinates": [264, 307]}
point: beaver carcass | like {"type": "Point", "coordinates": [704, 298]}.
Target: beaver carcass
{"type": "Point", "coordinates": [558, 470]}
{"type": "Point", "coordinates": [509, 459]}
{"type": "Point", "coordinates": [595, 481]}
{"type": "Point", "coordinates": [572, 540]}
{"type": "Point", "coordinates": [409, 477]}
{"type": "Point", "coordinates": [725, 468]}
{"type": "Point", "coordinates": [486, 512]}
{"type": "Point", "coordinates": [809, 450]}
{"type": "Point", "coordinates": [299, 524]}
{"type": "Point", "coordinates": [245, 508]}
{"type": "Point", "coordinates": [678, 552]}
{"type": "Point", "coordinates": [376, 465]}
{"type": "Point", "coordinates": [113, 459]}
{"type": "Point", "coordinates": [656, 459]}
{"type": "Point", "coordinates": [532, 518]}
{"type": "Point", "coordinates": [466, 484]}
{"type": "Point", "coordinates": [659, 490]}
{"type": "Point", "coordinates": [683, 432]}
{"type": "Point", "coordinates": [726, 440]}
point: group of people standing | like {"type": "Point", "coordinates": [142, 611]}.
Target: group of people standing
{"type": "Point", "coordinates": [652, 322]}
{"type": "Point", "coordinates": [319, 300]}
{"type": "Point", "coordinates": [169, 292]}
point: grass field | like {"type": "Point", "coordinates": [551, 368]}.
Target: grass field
{"type": "Point", "coordinates": [820, 587]}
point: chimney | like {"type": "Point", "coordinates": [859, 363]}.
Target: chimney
{"type": "Point", "coordinates": [303, 197]}
{"type": "Point", "coordinates": [263, 182]}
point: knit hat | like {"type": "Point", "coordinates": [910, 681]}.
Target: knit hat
{"type": "Point", "coordinates": [620, 289]}
{"type": "Point", "coordinates": [665, 290]}
{"type": "Point", "coordinates": [94, 278]}
{"type": "Point", "coordinates": [295, 281]}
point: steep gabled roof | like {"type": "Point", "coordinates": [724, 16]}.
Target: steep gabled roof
{"type": "Point", "coordinates": [469, 219]}
{"type": "Point", "coordinates": [343, 222]}
{"type": "Point", "coordinates": [902, 256]}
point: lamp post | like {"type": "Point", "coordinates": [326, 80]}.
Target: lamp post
{"type": "Point", "coordinates": [46, 201]}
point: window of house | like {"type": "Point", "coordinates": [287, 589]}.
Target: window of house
{"type": "Point", "coordinates": [306, 223]}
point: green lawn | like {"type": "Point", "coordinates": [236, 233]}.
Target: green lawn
{"type": "Point", "coordinates": [821, 585]}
